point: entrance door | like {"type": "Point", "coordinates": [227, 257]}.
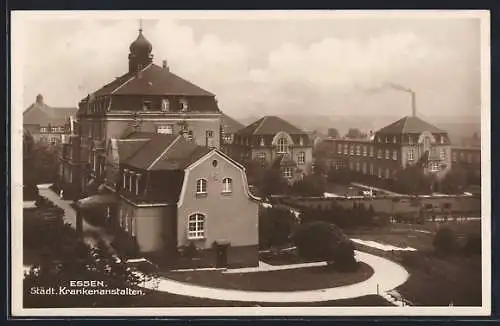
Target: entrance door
{"type": "Point", "coordinates": [221, 255]}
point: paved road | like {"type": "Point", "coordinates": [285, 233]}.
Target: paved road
{"type": "Point", "coordinates": [387, 274]}
{"type": "Point", "coordinates": [89, 230]}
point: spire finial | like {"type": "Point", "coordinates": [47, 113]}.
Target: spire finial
{"type": "Point", "coordinates": [140, 25]}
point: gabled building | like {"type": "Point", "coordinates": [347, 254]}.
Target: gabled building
{"type": "Point", "coordinates": [277, 143]}
{"type": "Point", "coordinates": [147, 98]}
{"type": "Point", "coordinates": [407, 141]}
{"type": "Point", "coordinates": [47, 124]}
{"type": "Point", "coordinates": [172, 193]}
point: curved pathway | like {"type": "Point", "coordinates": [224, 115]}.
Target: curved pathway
{"type": "Point", "coordinates": [387, 275]}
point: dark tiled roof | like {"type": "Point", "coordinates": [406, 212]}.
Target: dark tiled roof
{"type": "Point", "coordinates": [409, 125]}
{"type": "Point", "coordinates": [270, 125]}
{"type": "Point", "coordinates": [229, 125]}
{"type": "Point", "coordinates": [151, 151]}
{"type": "Point", "coordinates": [42, 114]}
{"type": "Point", "coordinates": [128, 148]}
{"type": "Point", "coordinates": [152, 80]}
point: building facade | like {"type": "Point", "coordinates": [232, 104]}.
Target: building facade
{"type": "Point", "coordinates": [276, 143]}
{"type": "Point", "coordinates": [48, 124]}
{"type": "Point", "coordinates": [229, 127]}
{"type": "Point", "coordinates": [468, 158]}
{"type": "Point", "coordinates": [148, 98]}
{"type": "Point", "coordinates": [206, 204]}
{"type": "Point", "coordinates": [405, 142]}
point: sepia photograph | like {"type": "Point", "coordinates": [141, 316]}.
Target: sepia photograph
{"type": "Point", "coordinates": [236, 163]}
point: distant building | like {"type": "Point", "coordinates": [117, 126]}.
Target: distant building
{"type": "Point", "coordinates": [277, 143]}
{"type": "Point", "coordinates": [316, 137]}
{"type": "Point", "coordinates": [407, 141]}
{"type": "Point", "coordinates": [468, 158]}
{"type": "Point", "coordinates": [207, 201]}
{"type": "Point", "coordinates": [229, 127]}
{"type": "Point", "coordinates": [47, 124]}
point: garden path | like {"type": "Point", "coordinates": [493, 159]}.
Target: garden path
{"type": "Point", "coordinates": [387, 275]}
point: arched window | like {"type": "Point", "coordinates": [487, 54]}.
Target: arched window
{"type": "Point", "coordinates": [201, 186]}
{"type": "Point", "coordinates": [196, 226]}
{"type": "Point", "coordinates": [282, 145]}
{"type": "Point", "coordinates": [227, 185]}
{"type": "Point", "coordinates": [165, 105]}
{"type": "Point", "coordinates": [184, 104]}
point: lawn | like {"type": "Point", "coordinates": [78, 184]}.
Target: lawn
{"type": "Point", "coordinates": [434, 280]}
{"type": "Point", "coordinates": [309, 278]}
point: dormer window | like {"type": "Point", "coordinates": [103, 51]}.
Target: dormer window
{"type": "Point", "coordinates": [301, 141]}
{"type": "Point", "coordinates": [282, 145]}
{"type": "Point", "coordinates": [184, 105]}
{"type": "Point", "coordinates": [165, 105]}
{"type": "Point", "coordinates": [442, 139]}
{"type": "Point", "coordinates": [262, 142]}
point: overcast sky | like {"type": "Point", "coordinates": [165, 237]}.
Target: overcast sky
{"type": "Point", "coordinates": [294, 66]}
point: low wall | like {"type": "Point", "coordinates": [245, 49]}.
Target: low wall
{"type": "Point", "coordinates": [403, 205]}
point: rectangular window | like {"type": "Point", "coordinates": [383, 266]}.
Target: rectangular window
{"type": "Point", "coordinates": [346, 149]}
{"type": "Point", "coordinates": [394, 155]}
{"type": "Point", "coordinates": [435, 166]}
{"type": "Point", "coordinates": [301, 158]}
{"type": "Point", "coordinates": [358, 150]}
{"type": "Point", "coordinates": [371, 151]}
{"type": "Point", "coordinates": [166, 129]}
{"type": "Point", "coordinates": [371, 169]}
{"type": "Point", "coordinates": [260, 156]}
{"type": "Point", "coordinates": [133, 226]}
{"type": "Point", "coordinates": [287, 172]}
{"type": "Point", "coordinates": [357, 166]}
{"type": "Point", "coordinates": [410, 140]}
{"type": "Point", "coordinates": [201, 186]}
{"type": "Point", "coordinates": [196, 226]}
{"type": "Point", "coordinates": [453, 157]}
{"type": "Point", "coordinates": [365, 150]}
{"type": "Point", "coordinates": [352, 150]}
{"type": "Point", "coordinates": [411, 154]}
{"type": "Point", "coordinates": [339, 149]}
{"type": "Point", "coordinates": [387, 154]}
{"type": "Point", "coordinates": [379, 153]}
{"type": "Point", "coordinates": [442, 154]}
{"type": "Point", "coordinates": [227, 185]}
{"type": "Point", "coordinates": [210, 133]}
{"type": "Point", "coordinates": [364, 167]}
{"type": "Point", "coordinates": [380, 172]}
{"type": "Point", "coordinates": [43, 129]}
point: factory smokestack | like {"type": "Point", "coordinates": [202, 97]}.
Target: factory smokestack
{"type": "Point", "coordinates": [413, 105]}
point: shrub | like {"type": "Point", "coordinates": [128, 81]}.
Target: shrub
{"type": "Point", "coordinates": [30, 192]}
{"type": "Point", "coordinates": [318, 241]}
{"type": "Point", "coordinates": [445, 241]}
{"type": "Point", "coordinates": [275, 226]}
{"type": "Point", "coordinates": [472, 244]}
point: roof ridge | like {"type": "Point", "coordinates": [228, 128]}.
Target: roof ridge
{"type": "Point", "coordinates": [131, 78]}
{"type": "Point", "coordinates": [404, 125]}
{"type": "Point", "coordinates": [260, 124]}
{"type": "Point", "coordinates": [164, 152]}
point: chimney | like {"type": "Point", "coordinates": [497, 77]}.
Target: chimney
{"type": "Point", "coordinates": [39, 99]}
{"type": "Point", "coordinates": [413, 105]}
{"type": "Point", "coordinates": [165, 66]}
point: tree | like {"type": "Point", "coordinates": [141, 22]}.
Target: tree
{"type": "Point", "coordinates": [445, 241]}
{"type": "Point", "coordinates": [333, 133]}
{"type": "Point", "coordinates": [40, 162]}
{"type": "Point", "coordinates": [412, 180]}
{"type": "Point", "coordinates": [310, 185]}
{"type": "Point", "coordinates": [318, 241]}
{"type": "Point", "coordinates": [272, 182]}
{"type": "Point", "coordinates": [275, 226]}
{"type": "Point", "coordinates": [455, 181]}
{"type": "Point", "coordinates": [63, 257]}
{"type": "Point", "coordinates": [354, 133]}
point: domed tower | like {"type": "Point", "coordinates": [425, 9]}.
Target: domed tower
{"type": "Point", "coordinates": [140, 53]}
